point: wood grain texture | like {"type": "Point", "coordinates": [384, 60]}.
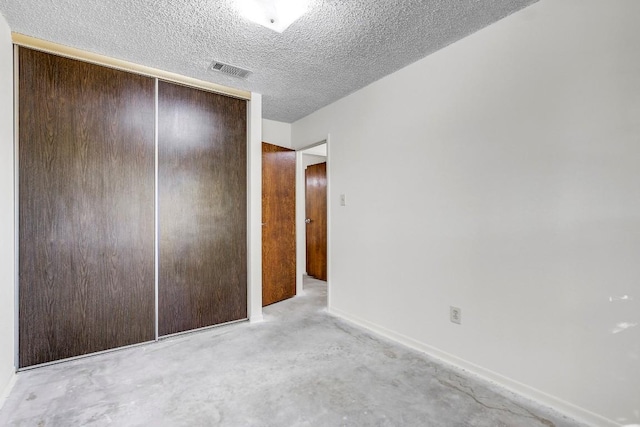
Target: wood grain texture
{"type": "Point", "coordinates": [316, 209]}
{"type": "Point", "coordinates": [202, 208]}
{"type": "Point", "coordinates": [86, 202]}
{"type": "Point", "coordinates": [106, 61]}
{"type": "Point", "coordinates": [278, 223]}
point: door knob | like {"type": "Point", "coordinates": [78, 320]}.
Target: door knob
{"type": "Point", "coordinates": [308, 220]}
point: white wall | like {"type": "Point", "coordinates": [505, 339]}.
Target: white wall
{"type": "Point", "coordinates": [502, 175]}
{"type": "Point", "coordinates": [254, 237]}
{"type": "Point", "coordinates": [7, 249]}
{"type": "Point", "coordinates": [318, 150]}
{"type": "Point", "coordinates": [276, 133]}
{"type": "Point", "coordinates": [312, 159]}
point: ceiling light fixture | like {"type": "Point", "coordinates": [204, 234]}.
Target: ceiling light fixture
{"type": "Point", "coordinates": [277, 15]}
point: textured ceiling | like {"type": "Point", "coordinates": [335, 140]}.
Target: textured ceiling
{"type": "Point", "coordinates": [337, 48]}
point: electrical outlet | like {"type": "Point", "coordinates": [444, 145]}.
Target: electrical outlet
{"type": "Point", "coordinates": [455, 315]}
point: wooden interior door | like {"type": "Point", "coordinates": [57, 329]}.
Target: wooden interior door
{"type": "Point", "coordinates": [86, 208]}
{"type": "Point", "coordinates": [278, 223]}
{"type": "Point", "coordinates": [316, 219]}
{"type": "Point", "coordinates": [202, 208]}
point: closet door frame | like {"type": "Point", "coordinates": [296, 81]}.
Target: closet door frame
{"type": "Point", "coordinates": [16, 205]}
{"type": "Point", "coordinates": [253, 134]}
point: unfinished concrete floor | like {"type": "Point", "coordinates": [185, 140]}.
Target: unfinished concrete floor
{"type": "Point", "coordinates": [301, 367]}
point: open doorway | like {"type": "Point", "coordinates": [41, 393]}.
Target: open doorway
{"type": "Point", "coordinates": [315, 178]}
{"type": "Point", "coordinates": [312, 216]}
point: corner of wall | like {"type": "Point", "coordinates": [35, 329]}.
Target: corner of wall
{"type": "Point", "coordinates": [276, 133]}
{"type": "Point", "coordinates": [254, 236]}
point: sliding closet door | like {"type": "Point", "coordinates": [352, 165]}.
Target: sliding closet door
{"type": "Point", "coordinates": [86, 201]}
{"type": "Point", "coordinates": [202, 208]}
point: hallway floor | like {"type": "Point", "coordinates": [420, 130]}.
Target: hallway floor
{"type": "Point", "coordinates": [301, 367]}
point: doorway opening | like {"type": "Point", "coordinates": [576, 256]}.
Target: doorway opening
{"type": "Point", "coordinates": [313, 207]}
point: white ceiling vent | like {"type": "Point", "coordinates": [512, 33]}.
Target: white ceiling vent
{"type": "Point", "coordinates": [229, 69]}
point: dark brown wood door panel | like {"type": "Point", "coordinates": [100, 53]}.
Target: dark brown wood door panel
{"type": "Point", "coordinates": [86, 202]}
{"type": "Point", "coordinates": [202, 209]}
{"type": "Point", "coordinates": [278, 223]}
{"type": "Point", "coordinates": [316, 211]}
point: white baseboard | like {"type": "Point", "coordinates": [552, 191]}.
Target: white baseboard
{"type": "Point", "coordinates": [256, 318]}
{"type": "Point", "coordinates": [566, 408]}
{"type": "Point", "coordinates": [7, 389]}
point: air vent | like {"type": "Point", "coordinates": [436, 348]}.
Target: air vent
{"type": "Point", "coordinates": [230, 70]}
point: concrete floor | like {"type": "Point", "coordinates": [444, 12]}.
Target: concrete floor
{"type": "Point", "coordinates": [301, 367]}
